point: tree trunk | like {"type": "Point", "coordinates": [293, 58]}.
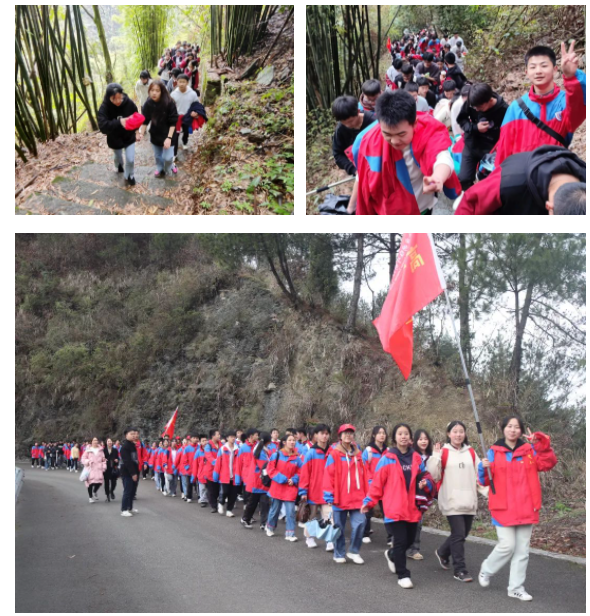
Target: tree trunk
{"type": "Point", "coordinates": [521, 317]}
{"type": "Point", "coordinates": [392, 255]}
{"type": "Point", "coordinates": [356, 292]}
{"type": "Point", "coordinates": [109, 76]}
{"type": "Point", "coordinates": [464, 331]}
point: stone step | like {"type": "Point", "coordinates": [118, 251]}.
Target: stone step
{"type": "Point", "coordinates": [48, 204]}
{"type": "Point", "coordinates": [102, 174]}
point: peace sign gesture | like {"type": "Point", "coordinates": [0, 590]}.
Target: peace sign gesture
{"type": "Point", "coordinates": [530, 436]}
{"type": "Point", "coordinates": [569, 60]}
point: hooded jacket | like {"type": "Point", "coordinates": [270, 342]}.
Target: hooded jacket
{"type": "Point", "coordinates": [469, 118]}
{"type": "Point", "coordinates": [160, 128]}
{"type": "Point", "coordinates": [244, 463]}
{"type": "Point", "coordinates": [109, 119]}
{"type": "Point", "coordinates": [258, 463]}
{"type": "Point", "coordinates": [311, 476]}
{"type": "Point", "coordinates": [225, 466]}
{"type": "Point", "coordinates": [193, 123]}
{"type": "Point", "coordinates": [371, 456]}
{"type": "Point", "coordinates": [35, 452]}
{"type": "Point", "coordinates": [211, 450]}
{"type": "Point", "coordinates": [184, 463]}
{"type": "Point", "coordinates": [516, 479]}
{"type": "Point", "coordinates": [345, 478]}
{"type": "Point", "coordinates": [389, 486]}
{"type": "Point", "coordinates": [281, 468]}
{"type": "Point", "coordinates": [520, 185]}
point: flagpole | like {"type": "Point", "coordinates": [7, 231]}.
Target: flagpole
{"type": "Point", "coordinates": [468, 383]}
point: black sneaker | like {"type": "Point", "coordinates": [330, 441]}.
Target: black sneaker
{"type": "Point", "coordinates": [213, 510]}
{"type": "Point", "coordinates": [263, 527]}
{"type": "Point", "coordinates": [131, 182]}
{"type": "Point", "coordinates": [120, 169]}
{"type": "Point", "coordinates": [444, 562]}
{"type": "Point", "coordinates": [204, 504]}
{"type": "Point", "coordinates": [463, 576]}
{"type": "Point", "coordinates": [245, 523]}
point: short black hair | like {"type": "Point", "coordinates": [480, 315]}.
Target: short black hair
{"type": "Point", "coordinates": [428, 57]}
{"type": "Point", "coordinates": [302, 429]}
{"type": "Point", "coordinates": [450, 58]}
{"type": "Point", "coordinates": [393, 107]}
{"type": "Point", "coordinates": [447, 45]}
{"type": "Point", "coordinates": [231, 433]}
{"type": "Point", "coordinates": [398, 63]}
{"type": "Point", "coordinates": [570, 199]}
{"type": "Point", "coordinates": [175, 72]}
{"type": "Point", "coordinates": [251, 432]}
{"type": "Point", "coordinates": [131, 429]}
{"type": "Point", "coordinates": [182, 76]}
{"type": "Point", "coordinates": [407, 69]}
{"type": "Point", "coordinates": [372, 87]}
{"type": "Point", "coordinates": [458, 44]}
{"type": "Point", "coordinates": [411, 87]}
{"type": "Point", "coordinates": [322, 428]}
{"type": "Point", "coordinates": [480, 94]}
{"type": "Point", "coordinates": [466, 89]}
{"type": "Point", "coordinates": [212, 432]}
{"type": "Point", "coordinates": [345, 107]}
{"type": "Point", "coordinates": [449, 85]}
{"type": "Point", "coordinates": [422, 81]}
{"type": "Point", "coordinates": [540, 50]}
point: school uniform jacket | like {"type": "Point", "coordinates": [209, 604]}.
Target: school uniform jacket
{"type": "Point", "coordinates": [244, 463]}
{"type": "Point", "coordinates": [311, 476]}
{"type": "Point", "coordinates": [255, 479]}
{"type": "Point", "coordinates": [345, 479]}
{"type": "Point", "coordinates": [185, 463]}
{"type": "Point", "coordinates": [225, 466]}
{"type": "Point", "coordinates": [371, 457]}
{"type": "Point", "coordinates": [152, 457]}
{"type": "Point", "coordinates": [41, 451]}
{"type": "Point", "coordinates": [211, 450]}
{"type": "Point", "coordinates": [35, 452]}
{"type": "Point", "coordinates": [281, 468]}
{"type": "Point", "coordinates": [389, 486]}
{"type": "Point", "coordinates": [198, 471]}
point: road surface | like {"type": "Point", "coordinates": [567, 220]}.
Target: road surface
{"type": "Point", "coordinates": [72, 556]}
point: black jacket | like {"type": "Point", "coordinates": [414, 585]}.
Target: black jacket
{"type": "Point", "coordinates": [109, 122]}
{"type": "Point", "coordinates": [524, 184]}
{"type": "Point", "coordinates": [112, 459]}
{"type": "Point", "coordinates": [187, 119]}
{"type": "Point", "coordinates": [344, 138]}
{"type": "Point", "coordinates": [469, 118]}
{"type": "Point", "coordinates": [129, 464]}
{"type": "Point", "coordinates": [457, 76]}
{"type": "Point", "coordinates": [159, 128]}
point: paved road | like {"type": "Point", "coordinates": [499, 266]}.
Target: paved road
{"type": "Point", "coordinates": [72, 556]}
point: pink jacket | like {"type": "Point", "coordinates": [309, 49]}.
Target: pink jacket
{"type": "Point", "coordinates": [98, 465]}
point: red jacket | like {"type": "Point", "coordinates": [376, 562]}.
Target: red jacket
{"type": "Point", "coordinates": [254, 480]}
{"type": "Point", "coordinates": [516, 479]}
{"type": "Point", "coordinates": [164, 461]}
{"type": "Point", "coordinates": [345, 478]}
{"type": "Point", "coordinates": [281, 468]}
{"type": "Point", "coordinates": [389, 485]}
{"type": "Point", "coordinates": [311, 476]}
{"type": "Point", "coordinates": [244, 464]}
{"type": "Point", "coordinates": [225, 466]}
{"type": "Point", "coordinates": [185, 462]}
{"type": "Point", "coordinates": [211, 450]}
{"type": "Point", "coordinates": [152, 456]}
{"type": "Point", "coordinates": [371, 457]}
{"type": "Point", "coordinates": [34, 452]}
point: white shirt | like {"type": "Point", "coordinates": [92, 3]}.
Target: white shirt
{"type": "Point", "coordinates": [455, 111]}
{"type": "Point", "coordinates": [392, 73]}
{"type": "Point", "coordinates": [453, 41]}
{"type": "Point", "coordinates": [428, 201]}
{"type": "Point", "coordinates": [141, 90]}
{"type": "Point", "coordinates": [422, 104]}
{"type": "Point", "coordinates": [184, 100]}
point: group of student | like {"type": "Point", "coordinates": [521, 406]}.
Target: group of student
{"type": "Point", "coordinates": [432, 130]}
{"type": "Point", "coordinates": [52, 456]}
{"type": "Point", "coordinates": [340, 480]}
{"type": "Point", "coordinates": [170, 107]}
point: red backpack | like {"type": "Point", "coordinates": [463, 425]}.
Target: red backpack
{"type": "Point", "coordinates": [443, 461]}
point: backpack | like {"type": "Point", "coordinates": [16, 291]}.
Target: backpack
{"type": "Point", "coordinates": [443, 463]}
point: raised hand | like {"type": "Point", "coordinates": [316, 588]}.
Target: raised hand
{"type": "Point", "coordinates": [569, 60]}
{"type": "Point", "coordinates": [530, 436]}
{"type": "Point", "coordinates": [437, 447]}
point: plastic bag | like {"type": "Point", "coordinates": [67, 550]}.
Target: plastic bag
{"type": "Point", "coordinates": [334, 204]}
{"type": "Point", "coordinates": [85, 473]}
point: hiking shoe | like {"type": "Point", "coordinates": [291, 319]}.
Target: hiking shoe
{"type": "Point", "coordinates": [131, 182]}
{"type": "Point", "coordinates": [329, 547]}
{"type": "Point", "coordinates": [522, 595]}
{"type": "Point", "coordinates": [126, 514]}
{"type": "Point", "coordinates": [406, 583]}
{"type": "Point", "coordinates": [245, 523]}
{"type": "Point", "coordinates": [356, 558]}
{"type": "Point", "coordinates": [444, 562]}
{"type": "Point", "coordinates": [390, 562]}
{"type": "Point", "coordinates": [483, 579]}
{"type": "Point", "coordinates": [120, 169]}
{"type": "Point", "coordinates": [310, 541]}
{"type": "Point", "coordinates": [463, 576]}
{"type": "Point", "coordinates": [339, 561]}
{"type": "Point", "coordinates": [366, 539]}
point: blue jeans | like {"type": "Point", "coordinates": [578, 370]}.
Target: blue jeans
{"type": "Point", "coordinates": [357, 522]}
{"type": "Point", "coordinates": [164, 158]}
{"type": "Point", "coordinates": [273, 516]}
{"type": "Point", "coordinates": [129, 160]}
{"type": "Point", "coordinates": [157, 478]}
{"type": "Point", "coordinates": [171, 483]}
{"type": "Point", "coordinates": [203, 493]}
{"type": "Point", "coordinates": [187, 486]}
{"type": "Point", "coordinates": [128, 493]}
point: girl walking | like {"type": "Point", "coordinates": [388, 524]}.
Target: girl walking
{"type": "Point", "coordinates": [142, 86]}
{"type": "Point", "coordinates": [93, 459]}
{"type": "Point", "coordinates": [259, 482]}
{"type": "Point", "coordinates": [423, 446]}
{"type": "Point", "coordinates": [111, 473]}
{"type": "Point", "coordinates": [371, 456]}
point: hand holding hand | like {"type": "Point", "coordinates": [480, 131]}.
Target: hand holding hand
{"type": "Point", "coordinates": [569, 60]}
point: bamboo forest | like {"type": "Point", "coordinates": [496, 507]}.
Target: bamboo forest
{"type": "Point", "coordinates": [490, 84]}
{"type": "Point", "coordinates": [158, 110]}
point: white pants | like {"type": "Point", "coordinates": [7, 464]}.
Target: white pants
{"type": "Point", "coordinates": [513, 547]}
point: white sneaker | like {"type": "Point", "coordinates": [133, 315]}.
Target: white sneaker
{"type": "Point", "coordinates": [96, 497]}
{"type": "Point", "coordinates": [406, 583]}
{"type": "Point", "coordinates": [366, 539]}
{"type": "Point", "coordinates": [183, 496]}
{"type": "Point", "coordinates": [220, 509]}
{"type": "Point", "coordinates": [329, 547]}
{"type": "Point", "coordinates": [292, 538]}
{"type": "Point", "coordinates": [301, 525]}
{"type": "Point", "coordinates": [91, 500]}
{"type": "Point", "coordinates": [230, 514]}
{"type": "Point", "coordinates": [184, 147]}
{"type": "Point", "coordinates": [126, 514]}
{"type": "Point", "coordinates": [339, 561]}
{"type": "Point", "coordinates": [76, 470]}
{"type": "Point", "coordinates": [390, 563]}
{"type": "Point", "coordinates": [164, 493]}
{"type": "Point", "coordinates": [523, 595]}
{"type": "Point", "coordinates": [135, 510]}
{"type": "Point", "coordinates": [188, 500]}
{"type": "Point", "coordinates": [32, 466]}
{"type": "Point", "coordinates": [310, 541]}
{"type": "Point", "coordinates": [483, 579]}
{"type": "Point", "coordinates": [240, 497]}
{"type": "Point", "coordinates": [281, 517]}
{"type": "Point", "coordinates": [356, 558]}
{"type": "Point", "coordinates": [270, 533]}
{"type": "Point", "coordinates": [174, 496]}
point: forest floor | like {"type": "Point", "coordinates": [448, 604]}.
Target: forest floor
{"type": "Point", "coordinates": [241, 162]}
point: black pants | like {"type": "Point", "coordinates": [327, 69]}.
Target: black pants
{"type": "Point", "coordinates": [212, 493]}
{"type": "Point", "coordinates": [367, 532]}
{"type": "Point", "coordinates": [470, 158]}
{"type": "Point", "coordinates": [403, 534]}
{"type": "Point", "coordinates": [176, 139]}
{"type": "Point", "coordinates": [253, 500]}
{"type": "Point", "coordinates": [35, 461]}
{"type": "Point", "coordinates": [93, 489]}
{"type": "Point", "coordinates": [75, 464]}
{"type": "Point", "coordinates": [110, 483]}
{"type": "Point", "coordinates": [229, 494]}
{"type": "Point", "coordinates": [455, 543]}
{"type": "Point", "coordinates": [129, 487]}
{"type": "Point", "coordinates": [135, 484]}
{"type": "Point", "coordinates": [144, 471]}
{"type": "Point", "coordinates": [162, 481]}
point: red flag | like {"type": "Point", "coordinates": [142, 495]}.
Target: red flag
{"type": "Point", "coordinates": [389, 44]}
{"type": "Point", "coordinates": [417, 280]}
{"type": "Point", "coordinates": [169, 429]}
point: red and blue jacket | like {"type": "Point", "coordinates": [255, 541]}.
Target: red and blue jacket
{"type": "Point", "coordinates": [311, 476]}
{"type": "Point", "coordinates": [516, 480]}
{"type": "Point", "coordinates": [35, 452]}
{"type": "Point", "coordinates": [282, 467]}
{"type": "Point", "coordinates": [302, 448]}
{"type": "Point", "coordinates": [197, 470]}
{"type": "Point", "coordinates": [244, 464]}
{"type": "Point", "coordinates": [66, 450]}
{"type": "Point", "coordinates": [164, 460]}
{"type": "Point", "coordinates": [41, 451]}
{"type": "Point", "coordinates": [371, 457]}
{"type": "Point", "coordinates": [225, 465]}
{"type": "Point", "coordinates": [186, 459]}
{"type": "Point", "coordinates": [152, 457]}
{"type": "Point", "coordinates": [255, 479]}
{"type": "Point", "coordinates": [158, 460]}
{"type": "Point", "coordinates": [345, 478]}
{"type": "Point", "coordinates": [170, 465]}
{"type": "Point", "coordinates": [562, 111]}
{"type": "Point", "coordinates": [384, 185]}
{"type": "Point", "coordinates": [274, 446]}
{"type": "Point", "coordinates": [211, 450]}
{"type": "Point", "coordinates": [389, 486]}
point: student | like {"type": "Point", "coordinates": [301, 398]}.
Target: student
{"type": "Point", "coordinates": [166, 64]}
{"type": "Point", "coordinates": [161, 114]}
{"type": "Point", "coordinates": [351, 122]}
{"type": "Point", "coordinates": [311, 480]}
{"type": "Point", "coordinates": [456, 107]}
{"type": "Point", "coordinates": [402, 161]}
{"type": "Point", "coordinates": [129, 471]}
{"type": "Point", "coordinates": [225, 474]}
{"type": "Point", "coordinates": [94, 460]}
{"type": "Point", "coordinates": [141, 87]}
{"type": "Point", "coordinates": [425, 92]}
{"type": "Point", "coordinates": [371, 91]}
{"type": "Point", "coordinates": [274, 436]}
{"type": "Point", "coordinates": [392, 72]}
{"type": "Point", "coordinates": [111, 472]}
{"type": "Point", "coordinates": [283, 469]}
{"type": "Point", "coordinates": [406, 76]}
{"type": "Point", "coordinates": [570, 199]}
{"type": "Point", "coordinates": [170, 469]}
{"type": "Point", "coordinates": [345, 485]}
{"type": "Point", "coordinates": [515, 462]}
{"type": "Point", "coordinates": [454, 467]}
{"type": "Point", "coordinates": [35, 455]}
{"type": "Point", "coordinates": [428, 70]}
{"type": "Point", "coordinates": [158, 466]}
{"type": "Point", "coordinates": [112, 117]}
{"type": "Point", "coordinates": [193, 74]}
{"type": "Point", "coordinates": [423, 446]}
{"type": "Point", "coordinates": [454, 40]}
{"type": "Point", "coordinates": [198, 471]}
{"type": "Point", "coordinates": [371, 456]}
{"type": "Point", "coordinates": [421, 103]}
{"type": "Point", "coordinates": [480, 119]}
{"type": "Point", "coordinates": [185, 468]}
{"type": "Point", "coordinates": [560, 113]}
{"type": "Point", "coordinates": [245, 461]}
{"type": "Point", "coordinates": [301, 442]}
{"type": "Point", "coordinates": [173, 83]}
{"type": "Point", "coordinates": [460, 52]}
{"type": "Point", "coordinates": [526, 183]}
{"type": "Point", "coordinates": [184, 97]}
{"type": "Point", "coordinates": [398, 475]}
{"type": "Point", "coordinates": [442, 111]}
{"type": "Point", "coordinates": [75, 456]}
{"type": "Point", "coordinates": [258, 488]}
{"type": "Point", "coordinates": [211, 450]}
{"type": "Point", "coordinates": [454, 72]}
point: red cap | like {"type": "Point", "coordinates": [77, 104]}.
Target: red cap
{"type": "Point", "coordinates": [134, 122]}
{"type": "Point", "coordinates": [345, 427]}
